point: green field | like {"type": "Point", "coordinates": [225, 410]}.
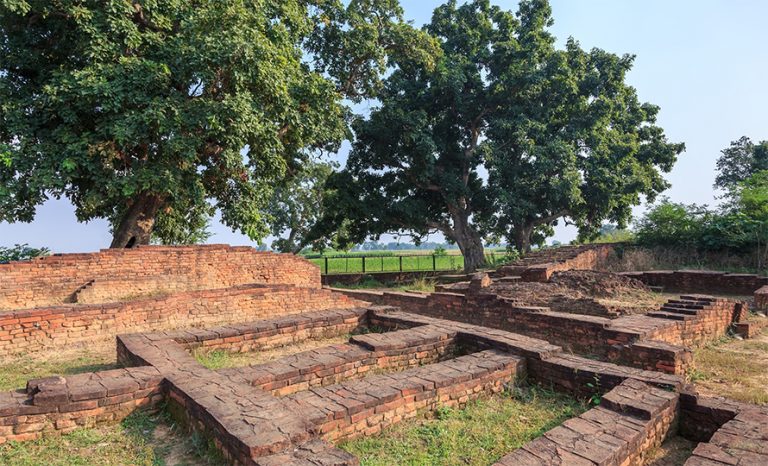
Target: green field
{"type": "Point", "coordinates": [395, 261]}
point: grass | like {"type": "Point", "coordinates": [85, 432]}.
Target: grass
{"type": "Point", "coordinates": [396, 261]}
{"type": "Point", "coordinates": [15, 372]}
{"type": "Point", "coordinates": [481, 433]}
{"type": "Point", "coordinates": [733, 368]}
{"type": "Point", "coordinates": [142, 439]}
{"type": "Point", "coordinates": [223, 359]}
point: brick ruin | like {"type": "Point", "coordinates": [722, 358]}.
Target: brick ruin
{"type": "Point", "coordinates": [408, 353]}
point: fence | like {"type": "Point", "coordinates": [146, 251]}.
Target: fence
{"type": "Point", "coordinates": [334, 265]}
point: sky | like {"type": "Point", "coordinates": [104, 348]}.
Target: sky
{"type": "Point", "coordinates": [704, 62]}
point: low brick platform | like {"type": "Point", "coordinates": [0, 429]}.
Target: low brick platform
{"type": "Point", "coordinates": [366, 406]}
{"type": "Point", "coordinates": [335, 364]}
{"type": "Point", "coordinates": [632, 419]}
{"type": "Point", "coordinates": [539, 266]}
{"type": "Point", "coordinates": [701, 281]}
{"type": "Point", "coordinates": [654, 342]}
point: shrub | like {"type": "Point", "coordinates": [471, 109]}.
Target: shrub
{"type": "Point", "coordinates": [21, 252]}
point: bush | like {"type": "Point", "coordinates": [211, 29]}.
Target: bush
{"type": "Point", "coordinates": [21, 252]}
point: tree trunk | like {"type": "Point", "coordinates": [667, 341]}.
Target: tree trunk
{"type": "Point", "coordinates": [523, 239]}
{"type": "Point", "coordinates": [136, 225]}
{"type": "Point", "coordinates": [470, 243]}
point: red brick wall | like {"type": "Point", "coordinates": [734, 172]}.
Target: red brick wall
{"type": "Point", "coordinates": [58, 326]}
{"type": "Point", "coordinates": [590, 257]}
{"type": "Point", "coordinates": [55, 279]}
{"type": "Point", "coordinates": [701, 281]}
{"type": "Point", "coordinates": [58, 404]}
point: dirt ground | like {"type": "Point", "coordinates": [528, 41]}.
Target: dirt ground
{"type": "Point", "coordinates": [584, 292]}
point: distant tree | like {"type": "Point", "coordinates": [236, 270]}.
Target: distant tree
{"type": "Point", "coordinates": [671, 224]}
{"type": "Point", "coordinates": [752, 202]}
{"type": "Point", "coordinates": [296, 205]}
{"type": "Point", "coordinates": [739, 161]}
{"type": "Point", "coordinates": [21, 252]}
{"type": "Point", "coordinates": [145, 113]}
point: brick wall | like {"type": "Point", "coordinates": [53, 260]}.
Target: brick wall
{"type": "Point", "coordinates": [701, 281]}
{"type": "Point", "coordinates": [56, 404]}
{"type": "Point", "coordinates": [59, 326]}
{"type": "Point", "coordinates": [56, 279]}
{"type": "Point", "coordinates": [631, 421]}
{"type": "Point", "coordinates": [365, 407]}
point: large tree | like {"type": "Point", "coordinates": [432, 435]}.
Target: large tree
{"type": "Point", "coordinates": [414, 164]}
{"type": "Point", "coordinates": [139, 110]}
{"type": "Point", "coordinates": [570, 138]}
{"type": "Point", "coordinates": [558, 132]}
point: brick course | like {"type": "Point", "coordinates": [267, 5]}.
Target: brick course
{"type": "Point", "coordinates": [56, 279]}
{"type": "Point", "coordinates": [701, 281]}
{"type": "Point", "coordinates": [37, 329]}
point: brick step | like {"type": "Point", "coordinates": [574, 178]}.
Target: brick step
{"type": "Point", "coordinates": [669, 315]}
{"type": "Point", "coordinates": [702, 298]}
{"type": "Point", "coordinates": [688, 304]}
{"type": "Point", "coordinates": [679, 310]}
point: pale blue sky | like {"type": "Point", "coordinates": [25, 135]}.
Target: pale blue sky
{"type": "Point", "coordinates": [705, 62]}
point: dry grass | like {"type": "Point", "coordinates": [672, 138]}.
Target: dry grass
{"type": "Point", "coordinates": [733, 368]}
{"type": "Point", "coordinates": [223, 359]}
{"type": "Point", "coordinates": [16, 370]}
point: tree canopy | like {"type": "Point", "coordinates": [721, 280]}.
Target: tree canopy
{"type": "Point", "coordinates": [154, 114]}
{"type": "Point", "coordinates": [558, 132]}
{"type": "Point", "coordinates": [297, 205]}
{"type": "Point", "coordinates": [739, 161]}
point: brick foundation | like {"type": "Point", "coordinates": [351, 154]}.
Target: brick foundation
{"type": "Point", "coordinates": [656, 341]}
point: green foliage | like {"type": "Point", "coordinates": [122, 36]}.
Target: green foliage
{"type": "Point", "coordinates": [739, 161]}
{"type": "Point", "coordinates": [671, 224]}
{"type": "Point", "coordinates": [740, 225]}
{"type": "Point", "coordinates": [559, 132]}
{"type": "Point", "coordinates": [21, 252]}
{"type": "Point", "coordinates": [612, 234]}
{"type": "Point", "coordinates": [136, 111]}
{"type": "Point", "coordinates": [297, 204]}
